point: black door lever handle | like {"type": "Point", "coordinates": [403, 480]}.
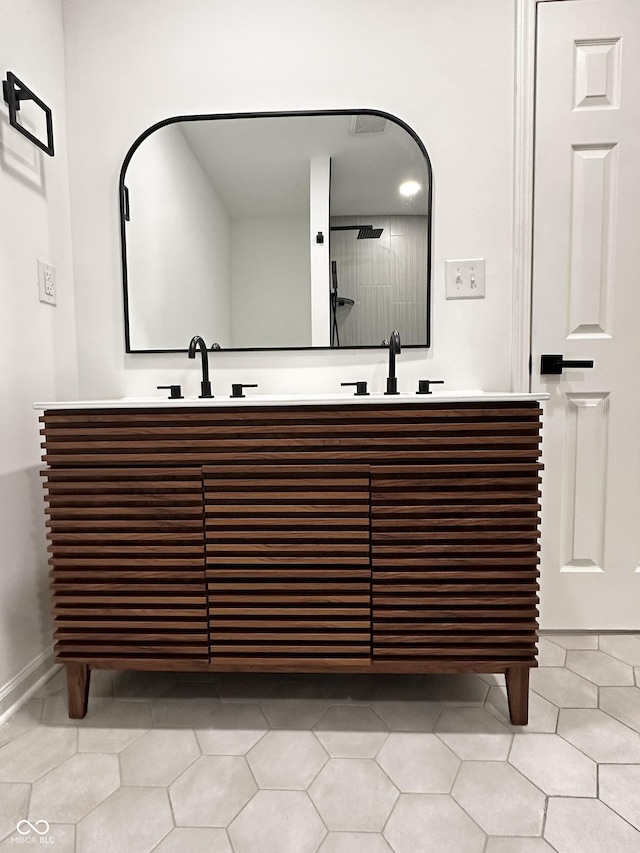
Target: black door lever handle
{"type": "Point", "coordinates": [553, 364]}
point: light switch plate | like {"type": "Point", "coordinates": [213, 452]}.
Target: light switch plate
{"type": "Point", "coordinates": [464, 279]}
{"type": "Point", "coordinates": [47, 283]}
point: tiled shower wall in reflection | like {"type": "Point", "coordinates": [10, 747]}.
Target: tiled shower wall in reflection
{"type": "Point", "coordinates": [386, 277]}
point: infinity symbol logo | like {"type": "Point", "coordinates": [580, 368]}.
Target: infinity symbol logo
{"type": "Point", "coordinates": [32, 826]}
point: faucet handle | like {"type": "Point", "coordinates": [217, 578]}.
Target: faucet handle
{"type": "Point", "coordinates": [423, 385]}
{"type": "Point", "coordinates": [361, 388]}
{"type": "Point", "coordinates": [175, 391]}
{"type": "Point", "coordinates": [236, 389]}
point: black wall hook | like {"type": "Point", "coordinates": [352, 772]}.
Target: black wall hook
{"type": "Point", "coordinates": [14, 91]}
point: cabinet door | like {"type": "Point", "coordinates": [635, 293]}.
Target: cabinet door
{"type": "Point", "coordinates": [127, 557]}
{"type": "Point", "coordinates": [454, 560]}
{"type": "Point", "coordinates": [288, 562]}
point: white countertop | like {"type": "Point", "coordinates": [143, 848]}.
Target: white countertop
{"type": "Point", "coordinates": [404, 397]}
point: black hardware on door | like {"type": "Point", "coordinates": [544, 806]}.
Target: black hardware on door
{"type": "Point", "coordinates": [553, 364]}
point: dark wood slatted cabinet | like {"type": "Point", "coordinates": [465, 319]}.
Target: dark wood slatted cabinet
{"type": "Point", "coordinates": [393, 537]}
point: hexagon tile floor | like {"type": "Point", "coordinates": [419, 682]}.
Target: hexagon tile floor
{"type": "Point", "coordinates": [334, 764]}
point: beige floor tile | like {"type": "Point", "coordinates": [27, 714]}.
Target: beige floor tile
{"type": "Point", "coordinates": [351, 731]}
{"type": "Point", "coordinates": [461, 689]}
{"type": "Point", "coordinates": [101, 681]}
{"type": "Point", "coordinates": [184, 839]}
{"type": "Point", "coordinates": [231, 729]}
{"type": "Point", "coordinates": [212, 791]}
{"type": "Point", "coordinates": [353, 794]}
{"type": "Point", "coordinates": [493, 679]}
{"type": "Point", "coordinates": [574, 641]}
{"type": "Point", "coordinates": [277, 822]}
{"type": "Point", "coordinates": [588, 826]}
{"type": "Point", "coordinates": [245, 686]}
{"type": "Point", "coordinates": [433, 823]}
{"type": "Point", "coordinates": [351, 717]}
{"type": "Point", "coordinates": [354, 842]}
{"type": "Point", "coordinates": [56, 710]}
{"type": "Point", "coordinates": [73, 789]}
{"type": "Point", "coordinates": [408, 716]}
{"type": "Point", "coordinates": [107, 740]}
{"type": "Point", "coordinates": [60, 837]}
{"type": "Point", "coordinates": [186, 712]}
{"type": "Point", "coordinates": [418, 763]}
{"type": "Point", "coordinates": [115, 727]}
{"type": "Point", "coordinates": [623, 703]}
{"type": "Point", "coordinates": [518, 845]}
{"type": "Point", "coordinates": [620, 790]}
{"type": "Point", "coordinates": [120, 715]}
{"type": "Point", "coordinates": [36, 752]}
{"type": "Point", "coordinates": [14, 800]}
{"type": "Point", "coordinates": [132, 820]}
{"type": "Point", "coordinates": [543, 715]}
{"type": "Point", "coordinates": [27, 718]}
{"type": "Point", "coordinates": [473, 734]}
{"type": "Point", "coordinates": [202, 690]}
{"type": "Point", "coordinates": [625, 647]}
{"type": "Point", "coordinates": [550, 654]}
{"type": "Point", "coordinates": [353, 689]}
{"type": "Point", "coordinates": [403, 688]}
{"type": "Point", "coordinates": [158, 757]}
{"type": "Point", "coordinates": [287, 760]}
{"type": "Point", "coordinates": [600, 668]}
{"type": "Point", "coordinates": [564, 688]}
{"type": "Point", "coordinates": [291, 705]}
{"type": "Point", "coordinates": [499, 798]}
{"type": "Point", "coordinates": [134, 685]}
{"type": "Point", "coordinates": [599, 736]}
{"type": "Point", "coordinates": [555, 766]}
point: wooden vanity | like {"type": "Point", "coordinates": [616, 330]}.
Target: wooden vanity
{"type": "Point", "coordinates": [381, 537]}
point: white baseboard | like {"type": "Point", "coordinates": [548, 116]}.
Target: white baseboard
{"type": "Point", "coordinates": [28, 681]}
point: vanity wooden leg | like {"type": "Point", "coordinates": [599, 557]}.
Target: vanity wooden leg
{"type": "Point", "coordinates": [78, 676]}
{"type": "Point", "coordinates": [517, 678]}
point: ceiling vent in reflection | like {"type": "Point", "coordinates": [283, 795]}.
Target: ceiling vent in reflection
{"type": "Point", "coordinates": [363, 123]}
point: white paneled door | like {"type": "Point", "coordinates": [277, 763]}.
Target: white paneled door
{"type": "Point", "coordinates": [586, 306]}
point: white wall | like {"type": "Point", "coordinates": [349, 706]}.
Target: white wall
{"type": "Point", "coordinates": [271, 300]}
{"type": "Point", "coordinates": [178, 261]}
{"type": "Point", "coordinates": [37, 341]}
{"type": "Point", "coordinates": [446, 67]}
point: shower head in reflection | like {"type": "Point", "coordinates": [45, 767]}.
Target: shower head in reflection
{"type": "Point", "coordinates": [365, 232]}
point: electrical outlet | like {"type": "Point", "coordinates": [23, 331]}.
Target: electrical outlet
{"type": "Point", "coordinates": [47, 283]}
{"type": "Point", "coordinates": [464, 279]}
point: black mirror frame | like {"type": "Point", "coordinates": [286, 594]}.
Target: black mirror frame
{"type": "Point", "coordinates": [124, 216]}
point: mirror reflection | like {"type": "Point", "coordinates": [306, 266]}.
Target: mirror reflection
{"type": "Point", "coordinates": [276, 231]}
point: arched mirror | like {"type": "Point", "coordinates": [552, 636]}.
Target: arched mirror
{"type": "Point", "coordinates": [276, 231]}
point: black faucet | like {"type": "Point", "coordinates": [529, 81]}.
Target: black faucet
{"type": "Point", "coordinates": [394, 350]}
{"type": "Point", "coordinates": [205, 385]}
